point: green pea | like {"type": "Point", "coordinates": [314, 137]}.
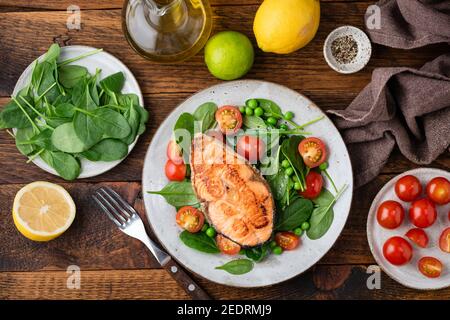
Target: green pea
{"type": "Point", "coordinates": [211, 232]}
{"type": "Point", "coordinates": [271, 120]}
{"type": "Point", "coordinates": [298, 231]}
{"type": "Point", "coordinates": [289, 171]}
{"type": "Point", "coordinates": [284, 127]}
{"type": "Point", "coordinates": [277, 250]}
{"type": "Point", "coordinates": [242, 109]}
{"type": "Point", "coordinates": [248, 111]}
{"type": "Point", "coordinates": [252, 103]}
{"type": "Point", "coordinates": [295, 178]}
{"type": "Point", "coordinates": [205, 227]}
{"type": "Point", "coordinates": [289, 115]}
{"type": "Point", "coordinates": [305, 225]}
{"type": "Point", "coordinates": [259, 111]}
{"type": "Point", "coordinates": [285, 163]}
{"type": "Point", "coordinates": [297, 186]}
{"type": "Point", "coordinates": [323, 166]}
{"type": "Point", "coordinates": [273, 244]}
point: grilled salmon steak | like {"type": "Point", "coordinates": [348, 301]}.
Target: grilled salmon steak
{"type": "Point", "coordinates": [235, 197]}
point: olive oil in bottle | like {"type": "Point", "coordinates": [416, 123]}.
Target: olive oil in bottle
{"type": "Point", "coordinates": [167, 30]}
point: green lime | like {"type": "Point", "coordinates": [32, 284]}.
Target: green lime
{"type": "Point", "coordinates": [229, 55]}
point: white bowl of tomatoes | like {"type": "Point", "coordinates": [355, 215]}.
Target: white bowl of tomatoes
{"type": "Point", "coordinates": [408, 228]}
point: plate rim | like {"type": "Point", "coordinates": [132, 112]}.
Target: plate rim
{"type": "Point", "coordinates": [370, 233]}
{"type": "Point", "coordinates": [23, 78]}
{"type": "Point", "coordinates": [237, 82]}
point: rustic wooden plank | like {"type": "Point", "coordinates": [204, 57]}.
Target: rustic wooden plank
{"type": "Point", "coordinates": [305, 70]}
{"type": "Point", "coordinates": [323, 282]}
{"type": "Point", "coordinates": [94, 243]}
{"type": "Point", "coordinates": [108, 4]}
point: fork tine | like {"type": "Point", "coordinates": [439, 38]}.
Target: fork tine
{"type": "Point", "coordinates": [111, 207]}
{"type": "Point", "coordinates": [112, 199]}
{"type": "Point", "coordinates": [106, 210]}
{"type": "Point", "coordinates": [121, 200]}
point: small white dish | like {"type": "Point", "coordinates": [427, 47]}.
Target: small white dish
{"type": "Point", "coordinates": [364, 50]}
{"type": "Point", "coordinates": [273, 269]}
{"type": "Point", "coordinates": [109, 65]}
{"type": "Point", "coordinates": [409, 274]}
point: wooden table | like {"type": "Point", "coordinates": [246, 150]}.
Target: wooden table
{"type": "Point", "coordinates": [114, 266]}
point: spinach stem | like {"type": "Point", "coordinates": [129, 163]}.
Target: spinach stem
{"type": "Point", "coordinates": [34, 156]}
{"type": "Point", "coordinates": [35, 127]}
{"type": "Point", "coordinates": [46, 91]}
{"type": "Point", "coordinates": [331, 180]}
{"type": "Point", "coordinates": [10, 133]}
{"type": "Point", "coordinates": [312, 122]}
{"type": "Point", "coordinates": [87, 54]}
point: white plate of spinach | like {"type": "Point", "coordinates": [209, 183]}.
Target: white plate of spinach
{"type": "Point", "coordinates": [75, 112]}
{"type": "Point", "coordinates": [253, 267]}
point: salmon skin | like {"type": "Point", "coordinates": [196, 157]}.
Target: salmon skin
{"type": "Point", "coordinates": [235, 198]}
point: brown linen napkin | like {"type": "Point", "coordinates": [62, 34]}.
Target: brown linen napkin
{"type": "Point", "coordinates": [411, 24]}
{"type": "Point", "coordinates": [403, 106]}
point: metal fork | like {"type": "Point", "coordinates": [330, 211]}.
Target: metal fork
{"type": "Point", "coordinates": [127, 219]}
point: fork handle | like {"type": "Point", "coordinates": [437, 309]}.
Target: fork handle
{"type": "Point", "coordinates": [185, 281]}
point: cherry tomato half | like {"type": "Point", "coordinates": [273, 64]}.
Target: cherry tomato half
{"type": "Point", "coordinates": [229, 119]}
{"type": "Point", "coordinates": [422, 213]}
{"type": "Point", "coordinates": [250, 147]}
{"type": "Point", "coordinates": [174, 152]}
{"type": "Point", "coordinates": [175, 172]}
{"type": "Point", "coordinates": [430, 267]}
{"type": "Point", "coordinates": [287, 240]}
{"type": "Point", "coordinates": [313, 151]}
{"type": "Point", "coordinates": [408, 188]}
{"type": "Point", "coordinates": [444, 240]}
{"type": "Point", "coordinates": [190, 219]}
{"type": "Point", "coordinates": [418, 236]}
{"type": "Point", "coordinates": [438, 190]}
{"type": "Point", "coordinates": [314, 184]}
{"type": "Point", "coordinates": [397, 251]}
{"type": "Point", "coordinates": [390, 214]}
{"type": "Point", "coordinates": [227, 246]}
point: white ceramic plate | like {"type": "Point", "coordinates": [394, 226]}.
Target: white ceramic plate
{"type": "Point", "coordinates": [109, 65]}
{"type": "Point", "coordinates": [409, 275]}
{"type": "Point", "coordinates": [273, 269]}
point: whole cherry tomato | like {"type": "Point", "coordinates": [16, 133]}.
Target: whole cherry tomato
{"type": "Point", "coordinates": [390, 214]}
{"type": "Point", "coordinates": [175, 172]}
{"type": "Point", "coordinates": [438, 190]}
{"type": "Point", "coordinates": [314, 184]}
{"type": "Point", "coordinates": [408, 188]}
{"type": "Point", "coordinates": [397, 251]}
{"type": "Point", "coordinates": [422, 213]}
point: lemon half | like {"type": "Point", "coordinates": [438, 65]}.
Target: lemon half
{"type": "Point", "coordinates": [42, 211]}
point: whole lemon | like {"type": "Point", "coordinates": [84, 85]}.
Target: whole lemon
{"type": "Point", "coordinates": [284, 26]}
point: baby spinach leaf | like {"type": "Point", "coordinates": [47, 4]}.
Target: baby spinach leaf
{"type": "Point", "coordinates": [42, 140]}
{"type": "Point", "coordinates": [23, 135]}
{"type": "Point", "coordinates": [178, 194]}
{"type": "Point", "coordinates": [107, 150]}
{"type": "Point", "coordinates": [66, 165]}
{"type": "Point", "coordinates": [69, 76]}
{"type": "Point", "coordinates": [133, 117]}
{"type": "Point", "coordinates": [278, 183]}
{"type": "Point", "coordinates": [237, 267]}
{"type": "Point", "coordinates": [205, 115]}
{"type": "Point", "coordinates": [323, 214]}
{"type": "Point", "coordinates": [113, 83]}
{"type": "Point", "coordinates": [86, 129]}
{"type": "Point", "coordinates": [112, 123]}
{"type": "Point", "coordinates": [257, 254]}
{"type": "Point", "coordinates": [270, 107]}
{"type": "Point", "coordinates": [294, 215]}
{"type": "Point", "coordinates": [254, 122]}
{"type": "Point", "coordinates": [64, 138]}
{"type": "Point", "coordinates": [12, 116]}
{"type": "Point", "coordinates": [52, 53]}
{"type": "Point", "coordinates": [199, 241]}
